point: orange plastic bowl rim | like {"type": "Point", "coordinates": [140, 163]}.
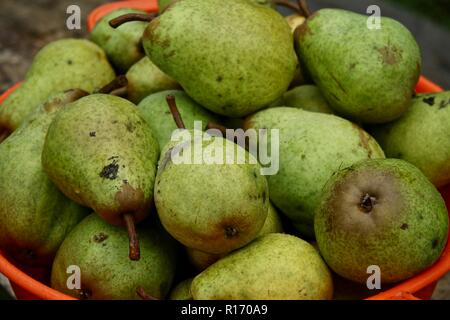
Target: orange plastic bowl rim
{"type": "Point", "coordinates": [421, 285]}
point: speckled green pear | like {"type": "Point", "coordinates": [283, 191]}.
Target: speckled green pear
{"type": "Point", "coordinates": [273, 267]}
{"type": "Point", "coordinates": [122, 45]}
{"type": "Point", "coordinates": [144, 78]}
{"type": "Point", "coordinates": [155, 111]}
{"type": "Point", "coordinates": [101, 153]}
{"type": "Point", "coordinates": [61, 65]}
{"type": "Point", "coordinates": [366, 74]}
{"type": "Point", "coordinates": [312, 147]}
{"type": "Point", "coordinates": [202, 260]}
{"type": "Point", "coordinates": [212, 204]}
{"type": "Point", "coordinates": [382, 212]}
{"type": "Point", "coordinates": [307, 97]}
{"type": "Point", "coordinates": [182, 291]}
{"type": "Point", "coordinates": [421, 136]}
{"type": "Point", "coordinates": [35, 216]}
{"type": "Point", "coordinates": [100, 251]}
{"type": "Point", "coordinates": [234, 64]}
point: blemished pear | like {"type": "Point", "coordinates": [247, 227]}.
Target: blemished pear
{"type": "Point", "coordinates": [215, 205]}
{"type": "Point", "coordinates": [273, 267]}
{"type": "Point", "coordinates": [234, 64]}
{"type": "Point", "coordinates": [101, 153]}
{"type": "Point", "coordinates": [367, 74]}
{"type": "Point", "coordinates": [202, 260]}
{"type": "Point", "coordinates": [61, 65]}
{"type": "Point", "coordinates": [123, 44]}
{"type": "Point", "coordinates": [100, 251]}
{"type": "Point", "coordinates": [421, 136]}
{"type": "Point", "coordinates": [144, 79]}
{"type": "Point", "coordinates": [382, 213]}
{"type": "Point", "coordinates": [35, 216]}
{"type": "Point", "coordinates": [156, 113]}
{"type": "Point", "coordinates": [312, 147]}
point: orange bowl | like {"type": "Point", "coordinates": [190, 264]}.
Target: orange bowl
{"type": "Point", "coordinates": [30, 283]}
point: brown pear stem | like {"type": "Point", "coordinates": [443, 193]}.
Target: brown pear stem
{"type": "Point", "coordinates": [76, 94]}
{"type": "Point", "coordinates": [303, 5]}
{"type": "Point", "coordinates": [144, 295]}
{"type": "Point", "coordinates": [134, 251]}
{"type": "Point", "coordinates": [214, 125]}
{"type": "Point", "coordinates": [118, 83]}
{"type": "Point", "coordinates": [121, 92]}
{"type": "Point", "coordinates": [174, 110]}
{"type": "Point", "coordinates": [129, 17]}
{"type": "Point", "coordinates": [289, 5]}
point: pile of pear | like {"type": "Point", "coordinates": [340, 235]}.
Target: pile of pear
{"type": "Point", "coordinates": [89, 171]}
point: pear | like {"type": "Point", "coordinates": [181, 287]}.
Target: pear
{"type": "Point", "coordinates": [209, 192]}
{"type": "Point", "coordinates": [202, 260]}
{"type": "Point", "coordinates": [382, 213]}
{"type": "Point", "coordinates": [312, 147]}
{"type": "Point", "coordinates": [35, 216]}
{"type": "Point", "coordinates": [59, 66]}
{"type": "Point", "coordinates": [366, 73]}
{"type": "Point", "coordinates": [101, 153]}
{"type": "Point", "coordinates": [122, 45]}
{"type": "Point", "coordinates": [307, 97]}
{"type": "Point", "coordinates": [273, 267]}
{"type": "Point", "coordinates": [246, 63]}
{"type": "Point", "coordinates": [182, 291]}
{"type": "Point", "coordinates": [154, 110]}
{"type": "Point", "coordinates": [421, 136]}
{"type": "Point", "coordinates": [144, 78]}
{"type": "Point", "coordinates": [99, 249]}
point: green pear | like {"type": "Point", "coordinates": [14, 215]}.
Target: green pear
{"type": "Point", "coordinates": [99, 250]}
{"type": "Point", "coordinates": [312, 146]}
{"type": "Point", "coordinates": [35, 216]}
{"type": "Point", "coordinates": [234, 64]}
{"type": "Point", "coordinates": [366, 72]}
{"type": "Point", "coordinates": [182, 291]}
{"type": "Point", "coordinates": [144, 78]}
{"type": "Point", "coordinates": [273, 267]}
{"type": "Point", "coordinates": [59, 66]}
{"type": "Point", "coordinates": [421, 136]}
{"type": "Point", "coordinates": [101, 153]}
{"type": "Point", "coordinates": [206, 197]}
{"type": "Point", "coordinates": [382, 213]}
{"type": "Point", "coordinates": [155, 111]}
{"type": "Point", "coordinates": [202, 260]}
{"type": "Point", "coordinates": [122, 45]}
{"type": "Point", "coordinates": [307, 97]}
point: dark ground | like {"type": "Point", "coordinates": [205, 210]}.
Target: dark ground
{"type": "Point", "coordinates": [28, 25]}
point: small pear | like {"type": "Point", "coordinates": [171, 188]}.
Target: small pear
{"type": "Point", "coordinates": [144, 78]}
{"type": "Point", "coordinates": [101, 153]}
{"type": "Point", "coordinates": [248, 61]}
{"type": "Point", "coordinates": [273, 267]}
{"type": "Point", "coordinates": [312, 147]}
{"type": "Point", "coordinates": [99, 250]}
{"type": "Point", "coordinates": [154, 110]}
{"type": "Point", "coordinates": [366, 72]}
{"type": "Point", "coordinates": [382, 213]}
{"type": "Point", "coordinates": [59, 66]}
{"type": "Point", "coordinates": [182, 291]}
{"type": "Point", "coordinates": [421, 136]}
{"type": "Point", "coordinates": [35, 216]}
{"type": "Point", "coordinates": [122, 45]}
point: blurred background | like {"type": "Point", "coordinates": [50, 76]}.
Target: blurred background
{"type": "Point", "coordinates": [26, 26]}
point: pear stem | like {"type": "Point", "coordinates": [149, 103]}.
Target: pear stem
{"type": "Point", "coordinates": [134, 251]}
{"type": "Point", "coordinates": [144, 295]}
{"type": "Point", "coordinates": [175, 112]}
{"type": "Point", "coordinates": [76, 94]}
{"type": "Point", "coordinates": [130, 17]}
{"type": "Point", "coordinates": [118, 83]}
{"type": "Point", "coordinates": [289, 5]}
{"type": "Point", "coordinates": [303, 5]}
